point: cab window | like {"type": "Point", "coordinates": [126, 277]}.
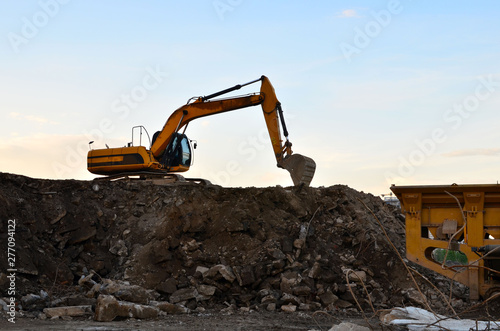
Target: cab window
{"type": "Point", "coordinates": [181, 155]}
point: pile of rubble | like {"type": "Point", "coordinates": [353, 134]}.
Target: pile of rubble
{"type": "Point", "coordinates": [138, 249]}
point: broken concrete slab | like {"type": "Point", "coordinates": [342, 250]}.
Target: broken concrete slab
{"type": "Point", "coordinates": [348, 326]}
{"type": "Point", "coordinates": [108, 308]}
{"type": "Point", "coordinates": [206, 290]}
{"type": "Point", "coordinates": [72, 311]}
{"type": "Point", "coordinates": [170, 308]}
{"type": "Point", "coordinates": [126, 292]}
{"type": "Point", "coordinates": [289, 308]}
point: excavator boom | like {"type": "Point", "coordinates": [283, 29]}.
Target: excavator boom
{"type": "Point", "coordinates": [197, 109]}
{"type": "Point", "coordinates": [171, 152]}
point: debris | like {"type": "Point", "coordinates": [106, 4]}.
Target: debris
{"type": "Point", "coordinates": [357, 276]}
{"type": "Point", "coordinates": [347, 326]}
{"type": "Point", "coordinates": [170, 308]}
{"type": "Point", "coordinates": [221, 269]}
{"type": "Point", "coordinates": [289, 308]}
{"type": "Point", "coordinates": [184, 247]}
{"type": "Point", "coordinates": [68, 311]}
{"type": "Point", "coordinates": [119, 248]}
{"type": "Point", "coordinates": [420, 319]}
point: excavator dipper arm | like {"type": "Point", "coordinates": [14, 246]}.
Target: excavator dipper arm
{"type": "Point", "coordinates": [301, 167]}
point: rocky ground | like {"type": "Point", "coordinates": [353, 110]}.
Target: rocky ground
{"type": "Point", "coordinates": [140, 251]}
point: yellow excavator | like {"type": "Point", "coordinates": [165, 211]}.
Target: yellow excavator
{"type": "Point", "coordinates": [171, 150]}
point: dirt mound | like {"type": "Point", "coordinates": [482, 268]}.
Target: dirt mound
{"type": "Point", "coordinates": [186, 247]}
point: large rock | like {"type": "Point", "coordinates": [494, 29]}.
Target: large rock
{"type": "Point", "coordinates": [183, 294]}
{"type": "Point", "coordinates": [222, 270]}
{"type": "Point", "coordinates": [169, 286]}
{"type": "Point", "coordinates": [245, 275]}
{"type": "Point", "coordinates": [206, 290]}
{"type": "Point", "coordinates": [289, 280]}
{"type": "Point", "coordinates": [108, 308]}
{"type": "Point", "coordinates": [328, 297]}
{"type": "Point", "coordinates": [301, 290]}
{"type": "Point", "coordinates": [415, 297]}
{"type": "Point", "coordinates": [126, 292]}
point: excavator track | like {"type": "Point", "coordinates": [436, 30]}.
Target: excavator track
{"type": "Point", "coordinates": [301, 168]}
{"type": "Point", "coordinates": [157, 177]}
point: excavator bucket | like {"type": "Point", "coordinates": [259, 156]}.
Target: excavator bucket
{"type": "Point", "coordinates": [300, 167]}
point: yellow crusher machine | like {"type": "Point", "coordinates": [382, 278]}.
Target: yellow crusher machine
{"type": "Point", "coordinates": [171, 151]}
{"type": "Point", "coordinates": [462, 221]}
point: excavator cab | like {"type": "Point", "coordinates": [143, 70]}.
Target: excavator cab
{"type": "Point", "coordinates": [178, 155]}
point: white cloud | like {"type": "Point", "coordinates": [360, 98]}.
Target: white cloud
{"type": "Point", "coordinates": [474, 152]}
{"type": "Point", "coordinates": [348, 13]}
{"type": "Point", "coordinates": [31, 118]}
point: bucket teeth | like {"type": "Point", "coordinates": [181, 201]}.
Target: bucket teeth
{"type": "Point", "coordinates": [301, 168]}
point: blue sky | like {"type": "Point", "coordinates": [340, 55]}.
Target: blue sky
{"type": "Point", "coordinates": [377, 92]}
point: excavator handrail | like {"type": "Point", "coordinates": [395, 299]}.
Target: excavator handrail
{"type": "Point", "coordinates": [141, 128]}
